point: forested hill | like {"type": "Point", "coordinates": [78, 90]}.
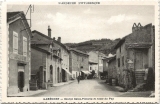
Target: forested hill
{"type": "Point", "coordinates": [105, 46]}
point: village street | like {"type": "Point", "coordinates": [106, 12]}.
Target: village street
{"type": "Point", "coordinates": [50, 50]}
{"type": "Point", "coordinates": [88, 88]}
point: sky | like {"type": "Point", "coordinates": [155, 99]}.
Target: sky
{"type": "Point", "coordinates": [78, 23]}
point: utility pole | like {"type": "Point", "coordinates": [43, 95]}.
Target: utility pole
{"type": "Point", "coordinates": [31, 10]}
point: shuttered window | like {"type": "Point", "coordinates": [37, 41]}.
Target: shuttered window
{"type": "Point", "coordinates": [24, 46]}
{"type": "Point", "coordinates": [15, 42]}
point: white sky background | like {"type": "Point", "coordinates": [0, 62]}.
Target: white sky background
{"type": "Point", "coordinates": [78, 23]}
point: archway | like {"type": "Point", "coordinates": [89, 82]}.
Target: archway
{"type": "Point", "coordinates": [63, 75]}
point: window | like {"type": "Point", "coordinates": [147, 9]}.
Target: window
{"type": "Point", "coordinates": [24, 46]}
{"type": "Point", "coordinates": [15, 42]}
{"type": "Point", "coordinates": [58, 53]}
{"type": "Point", "coordinates": [120, 49]}
{"type": "Point", "coordinates": [118, 62]}
{"type": "Point", "coordinates": [122, 60]}
{"type": "Point", "coordinates": [82, 59]}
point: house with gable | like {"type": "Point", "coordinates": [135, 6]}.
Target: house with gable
{"type": "Point", "coordinates": [60, 67]}
{"type": "Point", "coordinates": [78, 63]}
{"type": "Point", "coordinates": [134, 52]}
{"type": "Point", "coordinates": [19, 70]}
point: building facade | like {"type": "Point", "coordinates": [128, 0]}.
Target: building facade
{"type": "Point", "coordinates": [40, 73]}
{"type": "Point", "coordinates": [60, 61]}
{"type": "Point", "coordinates": [133, 53]}
{"type": "Point", "coordinates": [78, 63]}
{"type": "Point", "coordinates": [64, 54]}
{"type": "Point", "coordinates": [19, 34]}
{"type": "Point", "coordinates": [93, 62]}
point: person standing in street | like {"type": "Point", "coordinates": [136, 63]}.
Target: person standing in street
{"type": "Point", "coordinates": [78, 79]}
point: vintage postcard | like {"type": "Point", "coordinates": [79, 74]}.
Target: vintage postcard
{"type": "Point", "coordinates": [80, 51]}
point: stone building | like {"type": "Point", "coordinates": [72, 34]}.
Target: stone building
{"type": "Point", "coordinates": [93, 61]}
{"type": "Point", "coordinates": [112, 72]}
{"type": "Point", "coordinates": [133, 53]}
{"type": "Point", "coordinates": [19, 33]}
{"type": "Point", "coordinates": [43, 58]}
{"type": "Point", "coordinates": [60, 66]}
{"type": "Point", "coordinates": [78, 63]}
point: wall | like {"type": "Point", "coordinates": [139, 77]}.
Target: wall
{"type": "Point", "coordinates": [56, 63]}
{"type": "Point", "coordinates": [143, 34]}
{"type": "Point", "coordinates": [93, 56]}
{"type": "Point", "coordinates": [112, 72]}
{"type": "Point", "coordinates": [121, 52]}
{"type": "Point", "coordinates": [77, 60]}
{"type": "Point", "coordinates": [17, 26]}
{"type": "Point", "coordinates": [36, 60]}
{"type": "Point", "coordinates": [65, 61]}
{"type": "Point", "coordinates": [105, 65]}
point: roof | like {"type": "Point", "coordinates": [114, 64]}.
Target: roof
{"type": "Point", "coordinates": [90, 62]}
{"type": "Point", "coordinates": [40, 49]}
{"type": "Point", "coordinates": [51, 40]}
{"type": "Point", "coordinates": [137, 36]}
{"type": "Point", "coordinates": [121, 42]}
{"type": "Point", "coordinates": [139, 45]}
{"type": "Point", "coordinates": [55, 48]}
{"type": "Point", "coordinates": [77, 51]}
{"type": "Point", "coordinates": [13, 15]}
{"type": "Point", "coordinates": [108, 59]}
{"type": "Point", "coordinates": [112, 59]}
{"type": "Point", "coordinates": [56, 56]}
{"type": "Point", "coordinates": [40, 42]}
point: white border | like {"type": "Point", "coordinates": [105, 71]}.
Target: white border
{"type": "Point", "coordinates": [40, 99]}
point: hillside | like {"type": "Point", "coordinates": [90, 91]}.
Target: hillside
{"type": "Point", "coordinates": [105, 46]}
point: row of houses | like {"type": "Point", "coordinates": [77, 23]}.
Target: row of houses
{"type": "Point", "coordinates": [134, 54]}
{"type": "Point", "coordinates": [37, 60]}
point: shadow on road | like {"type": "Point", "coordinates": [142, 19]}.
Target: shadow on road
{"type": "Point", "coordinates": [105, 86]}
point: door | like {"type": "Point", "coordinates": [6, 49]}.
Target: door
{"type": "Point", "coordinates": [63, 76]}
{"type": "Point", "coordinates": [139, 73]}
{"type": "Point", "coordinates": [139, 61]}
{"type": "Point", "coordinates": [58, 75]}
{"type": "Point", "coordinates": [51, 73]}
{"type": "Point", "coordinates": [21, 78]}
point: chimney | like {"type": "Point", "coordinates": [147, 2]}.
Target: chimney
{"type": "Point", "coordinates": [134, 27]}
{"type": "Point", "coordinates": [59, 39]}
{"type": "Point", "coordinates": [49, 31]}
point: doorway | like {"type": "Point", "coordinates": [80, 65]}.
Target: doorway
{"type": "Point", "coordinates": [139, 61]}
{"type": "Point", "coordinates": [58, 75]}
{"type": "Point", "coordinates": [51, 73]}
{"type": "Point", "coordinates": [21, 78]}
{"type": "Point", "coordinates": [63, 75]}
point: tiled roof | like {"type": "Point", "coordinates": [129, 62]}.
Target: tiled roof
{"type": "Point", "coordinates": [93, 62]}
{"type": "Point", "coordinates": [77, 51]}
{"type": "Point", "coordinates": [40, 49]}
{"type": "Point", "coordinates": [12, 14]}
{"type": "Point", "coordinates": [139, 45]}
{"type": "Point", "coordinates": [41, 42]}
{"type": "Point", "coordinates": [49, 38]}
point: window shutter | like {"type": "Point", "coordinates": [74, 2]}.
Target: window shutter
{"type": "Point", "coordinates": [24, 46]}
{"type": "Point", "coordinates": [15, 42]}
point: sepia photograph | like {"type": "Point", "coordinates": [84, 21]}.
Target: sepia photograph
{"type": "Point", "coordinates": [80, 49]}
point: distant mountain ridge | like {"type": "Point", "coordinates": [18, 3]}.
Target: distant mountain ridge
{"type": "Point", "coordinates": [105, 46]}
